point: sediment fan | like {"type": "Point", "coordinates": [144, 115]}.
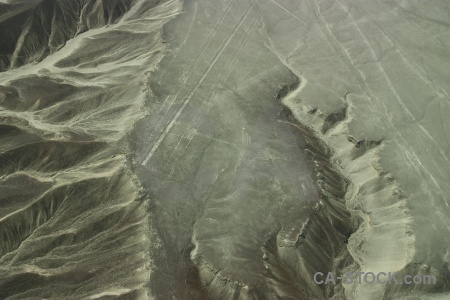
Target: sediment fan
{"type": "Point", "coordinates": [223, 149]}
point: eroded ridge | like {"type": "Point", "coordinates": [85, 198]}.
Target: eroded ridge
{"type": "Point", "coordinates": [322, 244]}
{"type": "Point", "coordinates": [374, 197]}
{"type": "Point", "coordinates": [289, 257]}
{"type": "Point", "coordinates": [73, 217]}
{"type": "Point", "coordinates": [32, 30]}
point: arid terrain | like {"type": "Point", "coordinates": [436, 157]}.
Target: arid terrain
{"type": "Point", "coordinates": [223, 149]}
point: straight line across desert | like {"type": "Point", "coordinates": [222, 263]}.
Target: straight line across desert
{"type": "Point", "coordinates": [225, 149]}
